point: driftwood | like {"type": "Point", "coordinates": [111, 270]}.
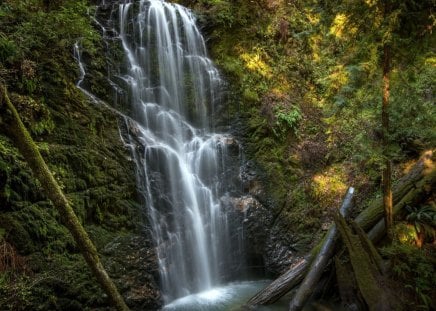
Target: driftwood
{"type": "Point", "coordinates": [410, 188]}
{"type": "Point", "coordinates": [320, 262]}
{"type": "Point", "coordinates": [27, 147]}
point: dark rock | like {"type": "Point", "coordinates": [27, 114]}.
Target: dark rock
{"type": "Point", "coordinates": [132, 263]}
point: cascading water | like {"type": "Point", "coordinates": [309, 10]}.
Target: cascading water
{"type": "Point", "coordinates": [169, 89]}
{"type": "Point", "coordinates": [173, 88]}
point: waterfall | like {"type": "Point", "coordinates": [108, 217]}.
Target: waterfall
{"type": "Point", "coordinates": [172, 89]}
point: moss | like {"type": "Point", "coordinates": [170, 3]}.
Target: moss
{"type": "Point", "coordinates": [80, 143]}
{"type": "Point", "coordinates": [367, 276]}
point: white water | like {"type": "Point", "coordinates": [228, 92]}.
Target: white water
{"type": "Point", "coordinates": [173, 88]}
{"type": "Point", "coordinates": [228, 297]}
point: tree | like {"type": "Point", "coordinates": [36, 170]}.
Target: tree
{"type": "Point", "coordinates": [387, 169]}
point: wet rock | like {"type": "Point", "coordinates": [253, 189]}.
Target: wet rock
{"type": "Point", "coordinates": [132, 263]}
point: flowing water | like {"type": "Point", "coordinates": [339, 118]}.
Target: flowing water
{"type": "Point", "coordinates": [172, 89]}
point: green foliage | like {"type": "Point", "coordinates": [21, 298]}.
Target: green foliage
{"type": "Point", "coordinates": [8, 49]}
{"type": "Point", "coordinates": [38, 66]}
{"type": "Point", "coordinates": [415, 269]}
{"type": "Point", "coordinates": [286, 120]}
{"type": "Point", "coordinates": [15, 292]}
{"type": "Point", "coordinates": [413, 115]}
{"type": "Point", "coordinates": [423, 219]}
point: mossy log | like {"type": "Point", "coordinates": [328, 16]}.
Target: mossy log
{"type": "Point", "coordinates": [321, 260]}
{"type": "Point", "coordinates": [367, 274]}
{"type": "Point", "coordinates": [15, 128]}
{"type": "Point", "coordinates": [347, 286]}
{"type": "Point", "coordinates": [411, 187]}
{"type": "Point", "coordinates": [369, 217]}
{"type": "Point", "coordinates": [417, 193]}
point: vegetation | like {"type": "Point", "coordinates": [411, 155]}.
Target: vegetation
{"type": "Point", "coordinates": [324, 61]}
{"type": "Point", "coordinates": [305, 93]}
{"type": "Point", "coordinates": [42, 268]}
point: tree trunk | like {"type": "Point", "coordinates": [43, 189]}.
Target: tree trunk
{"type": "Point", "coordinates": [387, 170]}
{"type": "Point", "coordinates": [320, 262]}
{"type": "Point", "coordinates": [30, 152]}
{"type": "Point", "coordinates": [387, 174]}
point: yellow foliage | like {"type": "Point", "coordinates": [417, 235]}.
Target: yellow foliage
{"type": "Point", "coordinates": [315, 42]}
{"type": "Point", "coordinates": [340, 24]}
{"type": "Point", "coordinates": [405, 233]}
{"type": "Point", "coordinates": [431, 61]}
{"type": "Point", "coordinates": [338, 77]}
{"type": "Point", "coordinates": [254, 62]}
{"type": "Point", "coordinates": [330, 186]}
{"type": "Point", "coordinates": [313, 18]}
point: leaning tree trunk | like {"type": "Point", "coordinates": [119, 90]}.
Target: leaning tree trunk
{"type": "Point", "coordinates": [415, 185]}
{"type": "Point", "coordinates": [16, 129]}
{"type": "Point", "coordinates": [320, 262]}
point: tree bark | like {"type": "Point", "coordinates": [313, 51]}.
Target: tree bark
{"type": "Point", "coordinates": [387, 170]}
{"type": "Point", "coordinates": [30, 152]}
{"type": "Point", "coordinates": [320, 262]}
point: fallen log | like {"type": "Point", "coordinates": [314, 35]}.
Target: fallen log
{"type": "Point", "coordinates": [408, 188]}
{"type": "Point", "coordinates": [421, 190]}
{"type": "Point", "coordinates": [367, 273]}
{"type": "Point", "coordinates": [347, 286]}
{"type": "Point", "coordinates": [322, 258]}
{"type": "Point", "coordinates": [369, 217]}
{"type": "Point", "coordinates": [283, 283]}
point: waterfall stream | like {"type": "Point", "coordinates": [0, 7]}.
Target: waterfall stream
{"type": "Point", "coordinates": [170, 90]}
{"type": "Point", "coordinates": [172, 86]}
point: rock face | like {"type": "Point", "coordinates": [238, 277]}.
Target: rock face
{"type": "Point", "coordinates": [269, 246]}
{"type": "Point", "coordinates": [132, 263]}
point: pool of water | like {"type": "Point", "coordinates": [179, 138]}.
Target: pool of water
{"type": "Point", "coordinates": [226, 298]}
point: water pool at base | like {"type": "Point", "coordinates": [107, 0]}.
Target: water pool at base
{"type": "Point", "coordinates": [226, 298]}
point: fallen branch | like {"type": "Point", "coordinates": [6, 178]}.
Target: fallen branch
{"type": "Point", "coordinates": [27, 147]}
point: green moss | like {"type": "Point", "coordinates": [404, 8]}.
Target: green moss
{"type": "Point", "coordinates": [80, 143]}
